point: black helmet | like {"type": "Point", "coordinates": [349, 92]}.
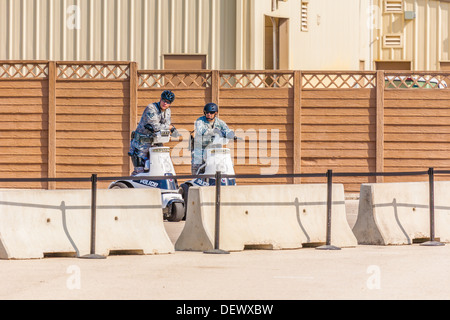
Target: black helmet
{"type": "Point", "coordinates": [211, 107]}
{"type": "Point", "coordinates": [168, 95]}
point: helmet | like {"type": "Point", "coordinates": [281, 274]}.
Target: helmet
{"type": "Point", "coordinates": [168, 95]}
{"type": "Point", "coordinates": [211, 107]}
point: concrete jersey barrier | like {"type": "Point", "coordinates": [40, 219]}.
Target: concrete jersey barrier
{"type": "Point", "coordinates": [398, 213]}
{"type": "Point", "coordinates": [267, 216]}
{"type": "Point", "coordinates": [35, 223]}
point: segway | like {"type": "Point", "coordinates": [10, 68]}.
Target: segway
{"type": "Point", "coordinates": [218, 158]}
{"type": "Point", "coordinates": [159, 163]}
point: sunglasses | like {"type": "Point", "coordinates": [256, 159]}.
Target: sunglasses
{"type": "Point", "coordinates": [166, 101]}
{"type": "Point", "coordinates": [210, 112]}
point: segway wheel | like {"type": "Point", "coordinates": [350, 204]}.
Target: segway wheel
{"type": "Point", "coordinates": [119, 185]}
{"type": "Point", "coordinates": [177, 212]}
{"type": "Point", "coordinates": [184, 194]}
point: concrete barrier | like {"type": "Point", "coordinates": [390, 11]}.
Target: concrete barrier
{"type": "Point", "coordinates": [36, 223]}
{"type": "Point", "coordinates": [398, 213]}
{"type": "Point", "coordinates": [267, 216]}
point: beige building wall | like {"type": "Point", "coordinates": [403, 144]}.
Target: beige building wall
{"type": "Point", "coordinates": [413, 31]}
{"type": "Point", "coordinates": [231, 34]}
{"type": "Point", "coordinates": [121, 30]}
{"type": "Point", "coordinates": [323, 34]}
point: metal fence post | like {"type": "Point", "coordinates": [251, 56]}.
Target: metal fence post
{"type": "Point", "coordinates": [328, 245]}
{"type": "Point", "coordinates": [92, 254]}
{"type": "Point", "coordinates": [216, 249]}
{"type": "Point", "coordinates": [432, 241]}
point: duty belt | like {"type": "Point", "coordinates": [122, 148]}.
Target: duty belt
{"type": "Point", "coordinates": [141, 138]}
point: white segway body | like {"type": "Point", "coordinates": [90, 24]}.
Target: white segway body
{"type": "Point", "coordinates": [159, 164]}
{"type": "Point", "coordinates": [218, 158]}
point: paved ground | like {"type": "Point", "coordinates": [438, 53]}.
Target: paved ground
{"type": "Point", "coordinates": [363, 272]}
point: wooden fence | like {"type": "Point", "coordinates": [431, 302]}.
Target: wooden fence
{"type": "Point", "coordinates": [72, 119]}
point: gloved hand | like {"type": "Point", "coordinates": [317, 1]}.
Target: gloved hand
{"type": "Point", "coordinates": [149, 127]}
{"type": "Point", "coordinates": [231, 135]}
{"type": "Point", "coordinates": [174, 132]}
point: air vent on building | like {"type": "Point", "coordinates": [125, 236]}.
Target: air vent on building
{"type": "Point", "coordinates": [304, 16]}
{"type": "Point", "coordinates": [392, 41]}
{"type": "Point", "coordinates": [393, 6]}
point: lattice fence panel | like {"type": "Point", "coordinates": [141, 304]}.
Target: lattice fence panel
{"type": "Point", "coordinates": [417, 80]}
{"type": "Point", "coordinates": [339, 80]}
{"type": "Point", "coordinates": [158, 79]}
{"type": "Point", "coordinates": [94, 71]}
{"type": "Point", "coordinates": [256, 80]}
{"type": "Point", "coordinates": [23, 70]}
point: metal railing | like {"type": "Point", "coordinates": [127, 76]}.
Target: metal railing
{"type": "Point", "coordinates": [94, 179]}
{"type": "Point", "coordinates": [329, 175]}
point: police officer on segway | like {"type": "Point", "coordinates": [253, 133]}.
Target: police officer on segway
{"type": "Point", "coordinates": [156, 117]}
{"type": "Point", "coordinates": [205, 128]}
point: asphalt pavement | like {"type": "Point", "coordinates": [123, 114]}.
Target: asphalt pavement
{"type": "Point", "coordinates": [358, 273]}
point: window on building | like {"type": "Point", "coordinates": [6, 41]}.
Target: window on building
{"type": "Point", "coordinates": [184, 61]}
{"type": "Point", "coordinates": [392, 41]}
{"type": "Point", "coordinates": [393, 6]}
{"type": "Point", "coordinates": [444, 66]}
{"type": "Point", "coordinates": [304, 16]}
{"type": "Point", "coordinates": [393, 65]}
